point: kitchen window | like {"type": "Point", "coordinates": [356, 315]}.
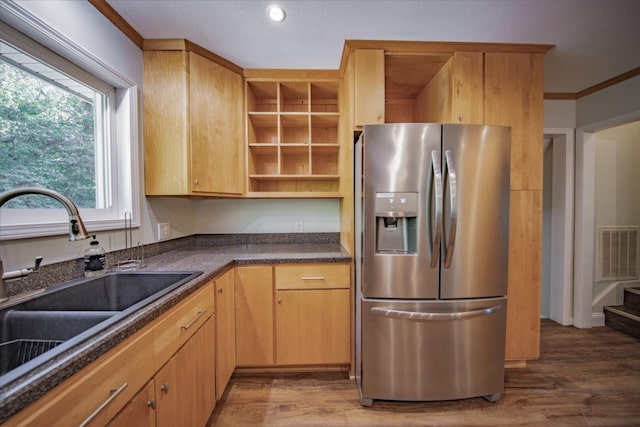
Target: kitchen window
{"type": "Point", "coordinates": [64, 128]}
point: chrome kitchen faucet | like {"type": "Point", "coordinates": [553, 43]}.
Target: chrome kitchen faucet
{"type": "Point", "coordinates": [77, 231]}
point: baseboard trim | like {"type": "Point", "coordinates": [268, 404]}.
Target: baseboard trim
{"type": "Point", "coordinates": [597, 319]}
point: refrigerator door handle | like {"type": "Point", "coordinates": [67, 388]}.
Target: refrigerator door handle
{"type": "Point", "coordinates": [424, 316]}
{"type": "Point", "coordinates": [437, 188]}
{"type": "Point", "coordinates": [453, 197]}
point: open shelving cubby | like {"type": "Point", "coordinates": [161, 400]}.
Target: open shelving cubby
{"type": "Point", "coordinates": [293, 146]}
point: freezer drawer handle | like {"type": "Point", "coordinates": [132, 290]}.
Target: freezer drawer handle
{"type": "Point", "coordinates": [422, 316]}
{"type": "Point", "coordinates": [437, 189]}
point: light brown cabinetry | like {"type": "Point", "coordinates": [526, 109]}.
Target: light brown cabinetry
{"type": "Point", "coordinates": [192, 123]}
{"type": "Point", "coordinates": [225, 330]}
{"type": "Point", "coordinates": [311, 316]}
{"type": "Point", "coordinates": [195, 378]}
{"type": "Point", "coordinates": [369, 94]}
{"type": "Point", "coordinates": [182, 392]}
{"type": "Point", "coordinates": [293, 148]}
{"type": "Point", "coordinates": [140, 411]}
{"type": "Point", "coordinates": [254, 316]}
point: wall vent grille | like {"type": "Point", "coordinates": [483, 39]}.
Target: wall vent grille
{"type": "Point", "coordinates": [618, 253]}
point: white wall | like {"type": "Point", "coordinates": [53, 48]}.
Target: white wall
{"type": "Point", "coordinates": [266, 216]}
{"type": "Point", "coordinates": [618, 175]}
{"type": "Point", "coordinates": [608, 107]}
{"type": "Point", "coordinates": [559, 114]}
{"type": "Point", "coordinates": [80, 22]}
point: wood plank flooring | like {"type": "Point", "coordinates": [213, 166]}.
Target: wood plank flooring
{"type": "Point", "coordinates": [583, 378]}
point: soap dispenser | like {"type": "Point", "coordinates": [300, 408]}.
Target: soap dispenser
{"type": "Point", "coordinates": [94, 259]}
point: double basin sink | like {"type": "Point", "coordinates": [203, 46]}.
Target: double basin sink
{"type": "Point", "coordinates": [34, 331]}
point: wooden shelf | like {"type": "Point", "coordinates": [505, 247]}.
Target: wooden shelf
{"type": "Point", "coordinates": [295, 177]}
{"type": "Point", "coordinates": [292, 137]}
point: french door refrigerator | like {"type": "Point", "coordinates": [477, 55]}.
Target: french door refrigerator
{"type": "Point", "coordinates": [432, 221]}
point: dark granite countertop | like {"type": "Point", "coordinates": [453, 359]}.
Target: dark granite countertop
{"type": "Point", "coordinates": [209, 256]}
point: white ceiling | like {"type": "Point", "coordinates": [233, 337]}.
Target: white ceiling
{"type": "Point", "coordinates": [594, 40]}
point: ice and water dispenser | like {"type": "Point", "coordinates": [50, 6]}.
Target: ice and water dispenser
{"type": "Point", "coordinates": [396, 223]}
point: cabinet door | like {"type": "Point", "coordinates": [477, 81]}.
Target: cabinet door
{"type": "Point", "coordinates": [525, 267]}
{"type": "Point", "coordinates": [369, 86]}
{"type": "Point", "coordinates": [254, 316]}
{"type": "Point", "coordinates": [195, 377]}
{"type": "Point", "coordinates": [514, 97]}
{"type": "Point", "coordinates": [165, 122]}
{"type": "Point", "coordinates": [225, 330]}
{"type": "Point", "coordinates": [140, 411]}
{"type": "Point", "coordinates": [217, 153]}
{"type": "Point", "coordinates": [312, 326]}
{"type": "Point", "coordinates": [166, 392]}
{"type": "Point", "coordinates": [467, 83]}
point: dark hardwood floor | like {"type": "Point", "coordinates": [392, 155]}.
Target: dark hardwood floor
{"type": "Point", "coordinates": [583, 378]}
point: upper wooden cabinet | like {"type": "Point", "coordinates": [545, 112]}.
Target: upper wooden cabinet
{"type": "Point", "coordinates": [192, 123]}
{"type": "Point", "coordinates": [292, 138]}
{"type": "Point", "coordinates": [368, 67]}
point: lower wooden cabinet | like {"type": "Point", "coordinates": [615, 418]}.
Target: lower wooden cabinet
{"type": "Point", "coordinates": [140, 411]}
{"type": "Point", "coordinates": [182, 393]}
{"type": "Point", "coordinates": [311, 315]}
{"type": "Point", "coordinates": [312, 326]}
{"type": "Point", "coordinates": [225, 330]}
{"type": "Point", "coordinates": [254, 316]}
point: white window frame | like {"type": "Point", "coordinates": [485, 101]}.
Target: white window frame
{"type": "Point", "coordinates": [123, 126]}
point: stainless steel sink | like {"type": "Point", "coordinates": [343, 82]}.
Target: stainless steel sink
{"type": "Point", "coordinates": [33, 331]}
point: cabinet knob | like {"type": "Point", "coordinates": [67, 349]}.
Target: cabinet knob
{"type": "Point", "coordinates": [196, 182]}
{"type": "Point", "coordinates": [164, 388]}
{"type": "Point", "coordinates": [279, 300]}
{"type": "Point", "coordinates": [151, 404]}
{"type": "Point", "coordinates": [220, 290]}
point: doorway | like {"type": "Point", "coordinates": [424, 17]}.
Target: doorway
{"type": "Point", "coordinates": [558, 219]}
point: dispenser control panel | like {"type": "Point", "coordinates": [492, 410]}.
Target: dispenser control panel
{"type": "Point", "coordinates": [397, 204]}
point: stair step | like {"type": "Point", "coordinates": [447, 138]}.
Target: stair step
{"type": "Point", "coordinates": [623, 319]}
{"type": "Point", "coordinates": [632, 298]}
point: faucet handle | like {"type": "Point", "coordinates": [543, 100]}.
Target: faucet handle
{"type": "Point", "coordinates": [36, 265]}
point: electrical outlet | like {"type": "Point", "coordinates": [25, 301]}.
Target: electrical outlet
{"type": "Point", "coordinates": [163, 230]}
{"type": "Point", "coordinates": [298, 226]}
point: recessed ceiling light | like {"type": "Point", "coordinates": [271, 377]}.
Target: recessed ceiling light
{"type": "Point", "coordinates": [276, 13]}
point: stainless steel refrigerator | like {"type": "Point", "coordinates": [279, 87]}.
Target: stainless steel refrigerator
{"type": "Point", "coordinates": [432, 223]}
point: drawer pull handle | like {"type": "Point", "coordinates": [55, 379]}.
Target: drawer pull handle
{"type": "Point", "coordinates": [312, 278]}
{"type": "Point", "coordinates": [194, 320]}
{"type": "Point", "coordinates": [114, 393]}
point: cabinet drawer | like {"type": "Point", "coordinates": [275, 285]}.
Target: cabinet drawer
{"type": "Point", "coordinates": [96, 394]}
{"type": "Point", "coordinates": [182, 322]}
{"type": "Point", "coordinates": [312, 276]}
